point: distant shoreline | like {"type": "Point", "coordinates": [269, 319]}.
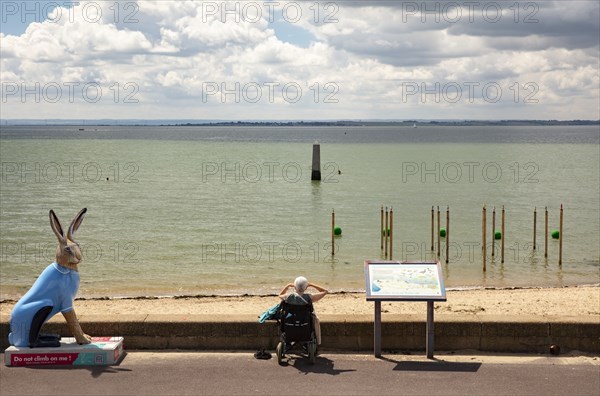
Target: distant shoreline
{"type": "Point", "coordinates": [400, 123]}
{"type": "Point", "coordinates": [312, 123]}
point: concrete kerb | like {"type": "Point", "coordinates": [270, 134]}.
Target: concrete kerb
{"type": "Point", "coordinates": [342, 333]}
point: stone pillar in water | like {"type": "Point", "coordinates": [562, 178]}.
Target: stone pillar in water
{"type": "Point", "coordinates": [316, 162]}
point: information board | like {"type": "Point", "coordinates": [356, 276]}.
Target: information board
{"type": "Point", "coordinates": [404, 280]}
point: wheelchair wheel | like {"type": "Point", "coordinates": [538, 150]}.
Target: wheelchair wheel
{"type": "Point", "coordinates": [279, 352]}
{"type": "Point", "coordinates": [312, 352]}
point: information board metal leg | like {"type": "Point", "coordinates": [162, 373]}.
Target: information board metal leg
{"type": "Point", "coordinates": [377, 330]}
{"type": "Point", "coordinates": [430, 332]}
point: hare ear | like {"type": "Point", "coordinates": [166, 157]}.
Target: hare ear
{"type": "Point", "coordinates": [76, 223]}
{"type": "Point", "coordinates": [56, 227]}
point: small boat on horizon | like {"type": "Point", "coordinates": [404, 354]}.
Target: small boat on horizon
{"type": "Point", "coordinates": [414, 125]}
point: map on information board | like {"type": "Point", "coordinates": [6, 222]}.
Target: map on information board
{"type": "Point", "coordinates": [404, 281]}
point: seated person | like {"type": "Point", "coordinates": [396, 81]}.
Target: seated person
{"type": "Point", "coordinates": [299, 297]}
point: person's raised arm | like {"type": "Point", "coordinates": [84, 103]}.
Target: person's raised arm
{"type": "Point", "coordinates": [283, 292]}
{"type": "Point", "coordinates": [322, 292]}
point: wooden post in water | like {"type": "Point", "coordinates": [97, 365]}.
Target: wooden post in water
{"type": "Point", "coordinates": [385, 232]}
{"type": "Point", "coordinates": [432, 227]}
{"type": "Point", "coordinates": [447, 232]}
{"type": "Point", "coordinates": [502, 239]}
{"type": "Point", "coordinates": [391, 230]}
{"type": "Point", "coordinates": [316, 162]}
{"type": "Point", "coordinates": [493, 230]}
{"type": "Point", "coordinates": [534, 225]}
{"type": "Point", "coordinates": [484, 226]}
{"type": "Point", "coordinates": [381, 230]}
{"type": "Point", "coordinates": [560, 236]}
{"type": "Point", "coordinates": [438, 231]}
{"type": "Point", "coordinates": [332, 232]}
{"type": "Point", "coordinates": [546, 232]}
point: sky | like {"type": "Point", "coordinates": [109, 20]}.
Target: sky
{"type": "Point", "coordinates": [300, 60]}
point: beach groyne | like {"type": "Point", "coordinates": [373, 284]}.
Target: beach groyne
{"type": "Point", "coordinates": [488, 333]}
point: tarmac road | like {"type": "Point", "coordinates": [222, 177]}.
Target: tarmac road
{"type": "Point", "coordinates": [226, 373]}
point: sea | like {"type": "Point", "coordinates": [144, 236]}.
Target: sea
{"type": "Point", "coordinates": [230, 210]}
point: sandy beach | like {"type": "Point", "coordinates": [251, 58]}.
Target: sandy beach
{"type": "Point", "coordinates": [540, 302]}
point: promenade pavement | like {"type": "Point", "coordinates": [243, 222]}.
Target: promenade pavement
{"type": "Point", "coordinates": [239, 373]}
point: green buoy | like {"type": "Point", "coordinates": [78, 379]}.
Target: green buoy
{"type": "Point", "coordinates": [337, 231]}
{"type": "Point", "coordinates": [442, 232]}
{"type": "Point", "coordinates": [555, 234]}
{"type": "Point", "coordinates": [497, 235]}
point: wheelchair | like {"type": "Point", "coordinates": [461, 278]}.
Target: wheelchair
{"type": "Point", "coordinates": [296, 329]}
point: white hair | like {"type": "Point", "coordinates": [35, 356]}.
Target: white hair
{"type": "Point", "coordinates": [301, 283]}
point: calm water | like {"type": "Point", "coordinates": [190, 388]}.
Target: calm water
{"type": "Point", "coordinates": [201, 210]}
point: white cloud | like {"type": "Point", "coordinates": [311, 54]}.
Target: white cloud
{"type": "Point", "coordinates": [165, 54]}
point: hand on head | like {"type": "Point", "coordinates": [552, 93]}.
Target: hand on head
{"type": "Point", "coordinates": [300, 284]}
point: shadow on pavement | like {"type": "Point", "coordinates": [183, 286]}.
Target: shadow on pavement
{"type": "Point", "coordinates": [322, 366]}
{"type": "Point", "coordinates": [435, 365]}
{"type": "Point", "coordinates": [95, 371]}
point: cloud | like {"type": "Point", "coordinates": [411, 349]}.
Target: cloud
{"type": "Point", "coordinates": [350, 60]}
{"type": "Point", "coordinates": [558, 24]}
